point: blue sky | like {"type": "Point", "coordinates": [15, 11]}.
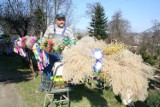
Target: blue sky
{"type": "Point", "coordinates": [140, 13]}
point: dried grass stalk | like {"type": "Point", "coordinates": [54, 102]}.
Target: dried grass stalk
{"type": "Point", "coordinates": [128, 75]}
{"type": "Point", "coordinates": [114, 48]}
{"type": "Point", "coordinates": [78, 60]}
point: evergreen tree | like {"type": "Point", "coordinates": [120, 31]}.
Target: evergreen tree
{"type": "Point", "coordinates": [98, 24]}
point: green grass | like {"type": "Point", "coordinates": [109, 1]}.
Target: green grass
{"type": "Point", "coordinates": [80, 96]}
{"type": "Point", "coordinates": [27, 90]}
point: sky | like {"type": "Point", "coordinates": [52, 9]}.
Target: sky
{"type": "Point", "coordinates": [140, 13]}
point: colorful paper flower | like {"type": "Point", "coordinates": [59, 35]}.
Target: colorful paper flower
{"type": "Point", "coordinates": [97, 53]}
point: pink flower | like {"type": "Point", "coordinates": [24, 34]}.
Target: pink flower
{"type": "Point", "coordinates": [23, 38]}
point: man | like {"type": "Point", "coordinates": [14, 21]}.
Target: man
{"type": "Point", "coordinates": [60, 31]}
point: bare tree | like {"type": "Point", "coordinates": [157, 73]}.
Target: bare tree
{"type": "Point", "coordinates": [150, 45]}
{"type": "Point", "coordinates": [14, 17]}
{"type": "Point", "coordinates": [119, 28]}
{"type": "Point", "coordinates": [45, 11]}
{"type": "Point", "coordinates": [64, 6]}
{"type": "Point", "coordinates": [156, 32]}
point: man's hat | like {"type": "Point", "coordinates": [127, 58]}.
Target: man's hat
{"type": "Point", "coordinates": [60, 16]}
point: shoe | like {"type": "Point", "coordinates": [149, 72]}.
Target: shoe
{"type": "Point", "coordinates": [39, 91]}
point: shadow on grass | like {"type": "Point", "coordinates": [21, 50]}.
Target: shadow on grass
{"type": "Point", "coordinates": [140, 104]}
{"type": "Point", "coordinates": [94, 97]}
{"type": "Point", "coordinates": [12, 69]}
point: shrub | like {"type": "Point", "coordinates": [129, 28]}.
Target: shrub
{"type": "Point", "coordinates": [154, 99]}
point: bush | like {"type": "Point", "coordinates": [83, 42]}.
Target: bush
{"type": "Point", "coordinates": [148, 57]}
{"type": "Point", "coordinates": [154, 99]}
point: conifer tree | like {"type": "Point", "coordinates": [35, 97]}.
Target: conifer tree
{"type": "Point", "coordinates": [98, 24]}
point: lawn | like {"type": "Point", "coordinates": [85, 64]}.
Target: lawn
{"type": "Point", "coordinates": [80, 95]}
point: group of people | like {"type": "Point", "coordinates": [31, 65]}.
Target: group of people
{"type": "Point", "coordinates": [57, 30]}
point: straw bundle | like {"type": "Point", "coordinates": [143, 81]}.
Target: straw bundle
{"type": "Point", "coordinates": [78, 60]}
{"type": "Point", "coordinates": [128, 75]}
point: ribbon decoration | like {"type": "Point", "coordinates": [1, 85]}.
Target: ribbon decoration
{"type": "Point", "coordinates": [41, 56]}
{"type": "Point", "coordinates": [45, 58]}
{"type": "Point", "coordinates": [18, 47]}
{"type": "Point", "coordinates": [38, 56]}
{"type": "Point", "coordinates": [97, 53]}
{"type": "Point", "coordinates": [32, 41]}
{"type": "Point", "coordinates": [41, 48]}
{"type": "Point", "coordinates": [63, 44]}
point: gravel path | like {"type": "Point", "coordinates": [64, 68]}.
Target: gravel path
{"type": "Point", "coordinates": [9, 96]}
